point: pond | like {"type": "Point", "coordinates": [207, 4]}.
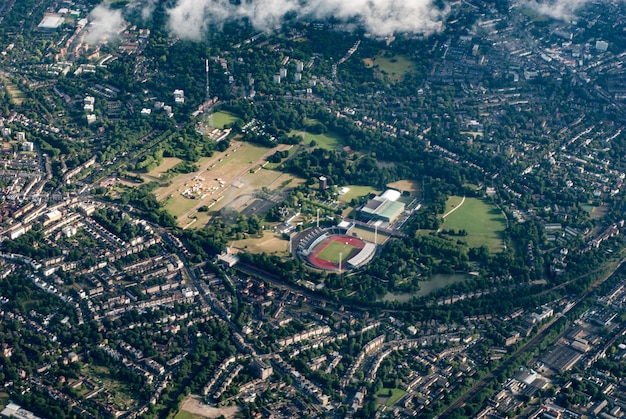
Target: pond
{"type": "Point", "coordinates": [434, 283]}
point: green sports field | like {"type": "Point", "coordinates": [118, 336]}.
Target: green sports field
{"type": "Point", "coordinates": [483, 222]}
{"type": "Point", "coordinates": [221, 119]}
{"type": "Point", "coordinates": [332, 251]}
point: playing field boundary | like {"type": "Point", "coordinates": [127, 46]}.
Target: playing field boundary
{"type": "Point", "coordinates": [325, 264]}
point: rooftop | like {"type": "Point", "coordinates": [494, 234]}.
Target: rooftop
{"type": "Point", "coordinates": [51, 22]}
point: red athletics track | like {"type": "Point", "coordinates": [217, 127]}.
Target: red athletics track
{"type": "Point", "coordinates": [326, 264]}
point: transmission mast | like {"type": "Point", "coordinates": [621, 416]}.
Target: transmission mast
{"type": "Point", "coordinates": [206, 70]}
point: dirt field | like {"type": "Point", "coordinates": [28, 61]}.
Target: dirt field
{"type": "Point", "coordinates": [405, 185]}
{"type": "Point", "coordinates": [168, 163]}
{"type": "Point", "coordinates": [194, 405]}
{"type": "Point", "coordinates": [221, 179]}
{"type": "Point", "coordinates": [269, 243]}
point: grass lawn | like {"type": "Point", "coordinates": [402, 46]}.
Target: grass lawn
{"type": "Point", "coordinates": [183, 414]}
{"type": "Point", "coordinates": [332, 251]}
{"type": "Point", "coordinates": [369, 236]}
{"type": "Point", "coordinates": [395, 67]}
{"type": "Point", "coordinates": [156, 173]}
{"type": "Point", "coordinates": [16, 94]}
{"type": "Point", "coordinates": [221, 119]}
{"type": "Point", "coordinates": [483, 222]}
{"type": "Point", "coordinates": [594, 212]}
{"type": "Point", "coordinates": [178, 205]}
{"type": "Point", "coordinates": [396, 394]}
{"type": "Point", "coordinates": [4, 399]}
{"type": "Point", "coordinates": [269, 243]}
{"type": "Point", "coordinates": [327, 141]}
{"type": "Point", "coordinates": [232, 163]}
{"type": "Point", "coordinates": [452, 203]}
{"type": "Point", "coordinates": [356, 192]}
{"type": "Point", "coordinates": [290, 152]}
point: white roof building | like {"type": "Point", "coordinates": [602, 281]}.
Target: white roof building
{"type": "Point", "coordinates": [51, 21]}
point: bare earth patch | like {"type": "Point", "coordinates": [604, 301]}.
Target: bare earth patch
{"type": "Point", "coordinates": [405, 185]}
{"type": "Point", "coordinates": [269, 243]}
{"type": "Point", "coordinates": [194, 405]}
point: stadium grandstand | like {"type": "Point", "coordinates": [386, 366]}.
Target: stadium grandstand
{"type": "Point", "coordinates": [364, 256]}
{"type": "Point", "coordinates": [310, 243]}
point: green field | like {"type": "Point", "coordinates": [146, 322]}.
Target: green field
{"type": "Point", "coordinates": [396, 394]}
{"type": "Point", "coordinates": [4, 399]}
{"type": "Point", "coordinates": [332, 251]}
{"type": "Point", "coordinates": [16, 94]}
{"type": "Point", "coordinates": [369, 235]}
{"type": "Point", "coordinates": [452, 203]}
{"type": "Point", "coordinates": [221, 119]}
{"type": "Point", "coordinates": [178, 205]}
{"type": "Point", "coordinates": [356, 192]}
{"type": "Point", "coordinates": [291, 152]}
{"type": "Point", "coordinates": [483, 222]}
{"type": "Point", "coordinates": [327, 141]}
{"type": "Point", "coordinates": [394, 67]}
{"type": "Point", "coordinates": [183, 414]}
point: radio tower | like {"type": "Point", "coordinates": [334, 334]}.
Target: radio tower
{"type": "Point", "coordinates": [206, 70]}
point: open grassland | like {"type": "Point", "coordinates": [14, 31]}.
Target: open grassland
{"type": "Point", "coordinates": [396, 394]}
{"type": "Point", "coordinates": [177, 205]}
{"type": "Point", "coordinates": [356, 191]}
{"type": "Point", "coordinates": [183, 414]}
{"type": "Point", "coordinates": [293, 150]}
{"type": "Point", "coordinates": [394, 67]}
{"type": "Point", "coordinates": [268, 243]}
{"type": "Point", "coordinates": [327, 140]}
{"type": "Point", "coordinates": [452, 203]}
{"type": "Point", "coordinates": [369, 236]}
{"type": "Point", "coordinates": [4, 399]}
{"type": "Point", "coordinates": [16, 94]}
{"type": "Point", "coordinates": [595, 212]}
{"type": "Point", "coordinates": [221, 119]}
{"type": "Point", "coordinates": [221, 179]}
{"type": "Point", "coordinates": [337, 250]}
{"type": "Point", "coordinates": [483, 222]}
{"type": "Point", "coordinates": [157, 172]}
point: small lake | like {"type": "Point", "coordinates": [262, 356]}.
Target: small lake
{"type": "Point", "coordinates": [434, 283]}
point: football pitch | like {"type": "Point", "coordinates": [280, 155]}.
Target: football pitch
{"type": "Point", "coordinates": [333, 249]}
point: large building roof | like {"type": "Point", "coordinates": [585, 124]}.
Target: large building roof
{"type": "Point", "coordinates": [391, 195]}
{"type": "Point", "coordinates": [384, 207]}
{"type": "Point", "coordinates": [51, 22]}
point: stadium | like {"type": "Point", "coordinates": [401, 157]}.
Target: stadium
{"type": "Point", "coordinates": [333, 248]}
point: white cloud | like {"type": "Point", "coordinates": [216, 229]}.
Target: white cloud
{"type": "Point", "coordinates": [104, 23]}
{"type": "Point", "coordinates": [557, 9]}
{"type": "Point", "coordinates": [190, 18]}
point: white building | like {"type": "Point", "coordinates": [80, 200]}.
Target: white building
{"type": "Point", "coordinates": [602, 46]}
{"type": "Point", "coordinates": [179, 96]}
{"type": "Point", "coordinates": [88, 103]}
